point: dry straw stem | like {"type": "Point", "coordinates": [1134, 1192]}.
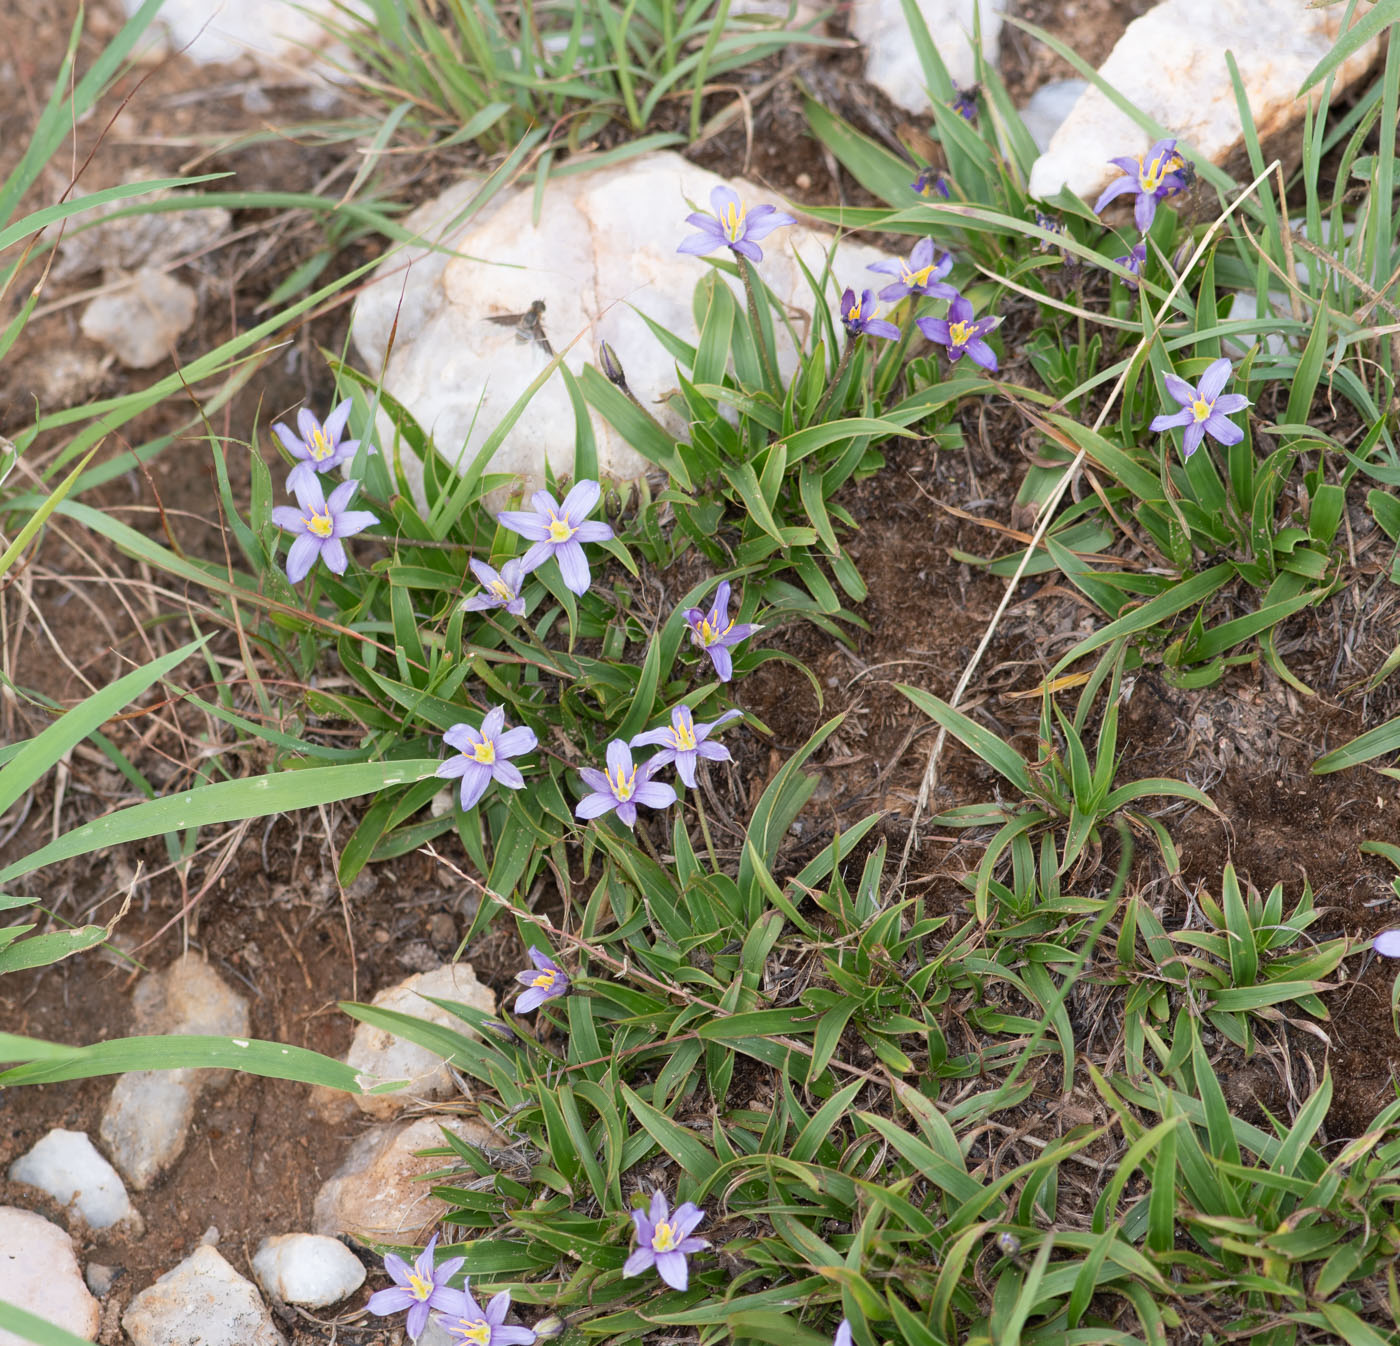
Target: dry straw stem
{"type": "Point", "coordinates": [1048, 512]}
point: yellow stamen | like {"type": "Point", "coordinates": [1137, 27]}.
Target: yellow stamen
{"type": "Point", "coordinates": [1201, 409]}
{"type": "Point", "coordinates": [544, 981]}
{"type": "Point", "coordinates": [913, 279]}
{"type": "Point", "coordinates": [664, 1239]}
{"type": "Point", "coordinates": [419, 1287]}
{"type": "Point", "coordinates": [502, 590]}
{"type": "Point", "coordinates": [320, 524]}
{"type": "Point", "coordinates": [623, 786]}
{"type": "Point", "coordinates": [733, 221]}
{"type": "Point", "coordinates": [560, 530]}
{"type": "Point", "coordinates": [320, 445]}
{"type": "Point", "coordinates": [476, 1330]}
{"type": "Point", "coordinates": [1150, 175]}
{"type": "Point", "coordinates": [683, 735]}
{"type": "Point", "coordinates": [484, 752]}
{"type": "Point", "coordinates": [958, 335]}
{"type": "Point", "coordinates": [853, 313]}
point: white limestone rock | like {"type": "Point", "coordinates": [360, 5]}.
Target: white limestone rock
{"type": "Point", "coordinates": [149, 1113]}
{"type": "Point", "coordinates": [891, 62]}
{"type": "Point", "coordinates": [201, 1302]}
{"type": "Point", "coordinates": [377, 1055]}
{"type": "Point", "coordinates": [279, 34]}
{"type": "Point", "coordinates": [39, 1273]}
{"type": "Point", "coordinates": [378, 1191]}
{"type": "Point", "coordinates": [604, 246]}
{"type": "Point", "coordinates": [308, 1269]}
{"type": "Point", "coordinates": [1171, 64]}
{"type": "Point", "coordinates": [1048, 107]}
{"type": "Point", "coordinates": [67, 1165]}
{"type": "Point", "coordinates": [140, 321]}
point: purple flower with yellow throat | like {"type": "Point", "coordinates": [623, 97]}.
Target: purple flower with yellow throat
{"type": "Point", "coordinates": [557, 530]}
{"type": "Point", "coordinates": [686, 742]}
{"type": "Point", "coordinates": [664, 1241]}
{"type": "Point", "coordinates": [714, 633]}
{"type": "Point", "coordinates": [468, 1324]}
{"type": "Point", "coordinates": [1203, 408]}
{"type": "Point", "coordinates": [320, 525]}
{"type": "Point", "coordinates": [317, 443]}
{"type": "Point", "coordinates": [499, 588]}
{"type": "Point", "coordinates": [483, 755]}
{"type": "Point", "coordinates": [1149, 176]}
{"type": "Point", "coordinates": [547, 981]}
{"type": "Point", "coordinates": [961, 334]}
{"type": "Point", "coordinates": [919, 275]}
{"type": "Point", "coordinates": [417, 1288]}
{"type": "Point", "coordinates": [732, 227]}
{"type": "Point", "coordinates": [928, 183]}
{"type": "Point", "coordinates": [621, 787]}
{"type": "Point", "coordinates": [858, 320]}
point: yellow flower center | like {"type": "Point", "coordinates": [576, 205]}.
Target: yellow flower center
{"type": "Point", "coordinates": [484, 752]}
{"type": "Point", "coordinates": [502, 590]}
{"type": "Point", "coordinates": [664, 1240]}
{"type": "Point", "coordinates": [476, 1330]}
{"type": "Point", "coordinates": [1201, 409]}
{"type": "Point", "coordinates": [915, 278]}
{"type": "Point", "coordinates": [544, 981]}
{"type": "Point", "coordinates": [853, 313]}
{"type": "Point", "coordinates": [732, 222]}
{"type": "Point", "coordinates": [320, 445]}
{"type": "Point", "coordinates": [708, 631]}
{"type": "Point", "coordinates": [958, 334]}
{"type": "Point", "coordinates": [683, 736]}
{"type": "Point", "coordinates": [623, 786]}
{"type": "Point", "coordinates": [418, 1287]}
{"type": "Point", "coordinates": [1150, 175]}
{"type": "Point", "coordinates": [320, 524]}
{"type": "Point", "coordinates": [560, 530]}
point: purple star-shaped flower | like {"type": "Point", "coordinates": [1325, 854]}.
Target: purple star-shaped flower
{"type": "Point", "coordinates": [843, 1335]}
{"type": "Point", "coordinates": [961, 335]}
{"type": "Point", "coordinates": [547, 982]}
{"type": "Point", "coordinates": [664, 1242]}
{"type": "Point", "coordinates": [856, 320]}
{"type": "Point", "coordinates": [919, 275]}
{"type": "Point", "coordinates": [483, 755]}
{"type": "Point", "coordinates": [929, 182]}
{"type": "Point", "coordinates": [1150, 176]}
{"type": "Point", "coordinates": [1387, 944]}
{"type": "Point", "coordinates": [468, 1323]}
{"type": "Point", "coordinates": [1133, 261]}
{"type": "Point", "coordinates": [714, 633]}
{"type": "Point", "coordinates": [732, 227]}
{"type": "Point", "coordinates": [1203, 409]}
{"type": "Point", "coordinates": [317, 443]}
{"type": "Point", "coordinates": [557, 530]}
{"type": "Point", "coordinates": [622, 787]}
{"type": "Point", "coordinates": [965, 102]}
{"type": "Point", "coordinates": [417, 1288]}
{"type": "Point", "coordinates": [686, 742]}
{"type": "Point", "coordinates": [499, 589]}
{"type": "Point", "coordinates": [321, 525]}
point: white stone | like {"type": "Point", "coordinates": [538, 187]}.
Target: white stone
{"type": "Point", "coordinates": [67, 1166]}
{"type": "Point", "coordinates": [892, 63]}
{"type": "Point", "coordinates": [39, 1273]}
{"type": "Point", "coordinates": [308, 1269]}
{"type": "Point", "coordinates": [604, 246]}
{"type": "Point", "coordinates": [378, 1191]}
{"type": "Point", "coordinates": [275, 32]}
{"type": "Point", "coordinates": [1171, 64]}
{"type": "Point", "coordinates": [140, 321]}
{"type": "Point", "coordinates": [201, 1302]}
{"type": "Point", "coordinates": [149, 1113]}
{"type": "Point", "coordinates": [1048, 107]}
{"type": "Point", "coordinates": [377, 1055]}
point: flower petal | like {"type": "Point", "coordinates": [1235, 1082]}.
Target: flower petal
{"type": "Point", "coordinates": [594, 805]}
{"type": "Point", "coordinates": [724, 664]}
{"type": "Point", "coordinates": [507, 774]}
{"type": "Point", "coordinates": [1191, 440]}
{"type": "Point", "coordinates": [475, 779]}
{"type": "Point", "coordinates": [1116, 188]}
{"type": "Point", "coordinates": [935, 329]}
{"type": "Point", "coordinates": [1144, 211]}
{"type": "Point", "coordinates": [339, 499]}
{"type": "Point", "coordinates": [516, 741]}
{"type": "Point", "coordinates": [1215, 378]}
{"type": "Point", "coordinates": [573, 566]}
{"type": "Point", "coordinates": [1387, 944]}
{"type": "Point", "coordinates": [1219, 428]}
{"type": "Point", "coordinates": [493, 722]}
{"type": "Point", "coordinates": [619, 757]}
{"type": "Point", "coordinates": [685, 768]}
{"type": "Point", "coordinates": [580, 502]}
{"type": "Point", "coordinates": [592, 530]}
{"type": "Point", "coordinates": [301, 556]}
{"type": "Point", "coordinates": [334, 424]}
{"type": "Point", "coordinates": [654, 794]}
{"type": "Point", "coordinates": [1180, 389]}
{"type": "Point", "coordinates": [593, 778]}
{"type": "Point", "coordinates": [641, 1259]}
{"type": "Point", "coordinates": [333, 554]}
{"type": "Point", "coordinates": [284, 516]}
{"type": "Point", "coordinates": [525, 523]}
{"type": "Point", "coordinates": [982, 354]}
{"type": "Point", "coordinates": [1229, 403]}
{"type": "Point", "coordinates": [672, 1269]}
{"type": "Point", "coordinates": [697, 245]}
{"type": "Point", "coordinates": [353, 521]}
{"type": "Point", "coordinates": [1170, 419]}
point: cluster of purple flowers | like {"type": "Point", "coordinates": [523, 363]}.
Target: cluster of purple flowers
{"type": "Point", "coordinates": [1152, 177]}
{"type": "Point", "coordinates": [319, 525]}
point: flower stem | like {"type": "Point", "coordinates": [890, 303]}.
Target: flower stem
{"type": "Point", "coordinates": [769, 369]}
{"type": "Point", "coordinates": [836, 379]}
{"type": "Point", "coordinates": [705, 829]}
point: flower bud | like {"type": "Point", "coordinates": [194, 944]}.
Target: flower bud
{"type": "Point", "coordinates": [612, 366]}
{"type": "Point", "coordinates": [549, 1328]}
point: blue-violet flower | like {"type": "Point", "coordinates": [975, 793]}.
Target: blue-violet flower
{"type": "Point", "coordinates": [961, 335]}
{"type": "Point", "coordinates": [929, 182]}
{"type": "Point", "coordinates": [468, 1323]}
{"type": "Point", "coordinates": [317, 443]}
{"type": "Point", "coordinates": [547, 982]}
{"type": "Point", "coordinates": [919, 275]}
{"type": "Point", "coordinates": [1203, 409]}
{"type": "Point", "coordinates": [732, 227]}
{"type": "Point", "coordinates": [622, 787]}
{"type": "Point", "coordinates": [1133, 261]}
{"type": "Point", "coordinates": [686, 742]}
{"type": "Point", "coordinates": [843, 1335]}
{"type": "Point", "coordinates": [1150, 176]}
{"type": "Point", "coordinates": [714, 633]}
{"type": "Point", "coordinates": [965, 102]}
{"type": "Point", "coordinates": [664, 1242]}
{"type": "Point", "coordinates": [557, 530]}
{"type": "Point", "coordinates": [499, 589]}
{"type": "Point", "coordinates": [417, 1288]}
{"type": "Point", "coordinates": [1387, 944]}
{"type": "Point", "coordinates": [483, 755]}
{"type": "Point", "coordinates": [321, 525]}
{"type": "Point", "coordinates": [855, 319]}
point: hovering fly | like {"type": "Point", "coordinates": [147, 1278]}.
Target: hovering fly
{"type": "Point", "coordinates": [529, 326]}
